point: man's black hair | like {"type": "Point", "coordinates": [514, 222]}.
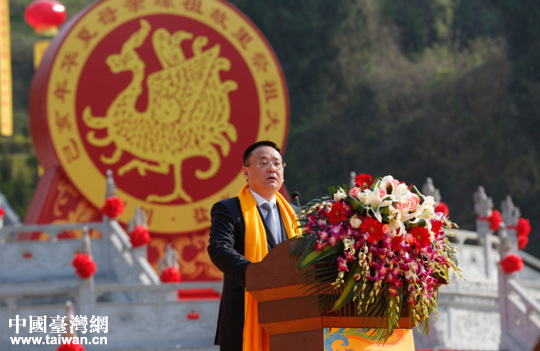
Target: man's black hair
{"type": "Point", "coordinates": [252, 147]}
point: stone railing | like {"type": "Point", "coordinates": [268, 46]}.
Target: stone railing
{"type": "Point", "coordinates": [489, 310]}
{"type": "Point", "coordinates": [520, 316]}
{"type": "Point", "coordinates": [151, 319]}
{"type": "Point", "coordinates": [29, 260]}
{"type": "Point", "coordinates": [37, 279]}
{"type": "Point", "coordinates": [519, 311]}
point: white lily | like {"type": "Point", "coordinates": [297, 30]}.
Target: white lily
{"type": "Point", "coordinates": [426, 209]}
{"type": "Point", "coordinates": [340, 195]}
{"type": "Point", "coordinates": [348, 243]}
{"type": "Point", "coordinates": [373, 199]}
{"type": "Point", "coordinates": [355, 221]}
{"type": "Point", "coordinates": [401, 192]}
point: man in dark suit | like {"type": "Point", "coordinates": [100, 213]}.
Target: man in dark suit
{"type": "Point", "coordinates": [263, 168]}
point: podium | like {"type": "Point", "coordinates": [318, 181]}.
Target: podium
{"type": "Point", "coordinates": [292, 318]}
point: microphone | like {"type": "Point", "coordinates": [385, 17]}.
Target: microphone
{"type": "Point", "coordinates": [296, 196]}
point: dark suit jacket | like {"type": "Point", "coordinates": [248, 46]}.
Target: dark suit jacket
{"type": "Point", "coordinates": [226, 250]}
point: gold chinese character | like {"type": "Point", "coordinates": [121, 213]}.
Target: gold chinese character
{"type": "Point", "coordinates": [71, 151]}
{"type": "Point", "coordinates": [107, 16]}
{"type": "Point", "coordinates": [243, 37]}
{"type": "Point", "coordinates": [270, 91]}
{"type": "Point", "coordinates": [260, 61]}
{"type": "Point", "coordinates": [201, 215]}
{"type": "Point", "coordinates": [220, 17]}
{"type": "Point", "coordinates": [133, 5]}
{"type": "Point", "coordinates": [62, 122]}
{"type": "Point", "coordinates": [61, 90]}
{"type": "Point", "coordinates": [273, 120]}
{"type": "Point", "coordinates": [193, 6]}
{"type": "Point", "coordinates": [69, 60]}
{"type": "Point", "coordinates": [164, 3]}
{"type": "Point", "coordinates": [86, 36]}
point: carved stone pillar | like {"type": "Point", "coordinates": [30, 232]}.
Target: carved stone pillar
{"type": "Point", "coordinates": [483, 206]}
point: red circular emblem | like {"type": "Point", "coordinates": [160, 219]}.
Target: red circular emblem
{"type": "Point", "coordinates": [167, 95]}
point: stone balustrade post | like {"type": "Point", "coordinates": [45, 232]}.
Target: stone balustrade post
{"type": "Point", "coordinates": [85, 293]}
{"type": "Point", "coordinates": [508, 245]}
{"type": "Point", "coordinates": [140, 218]}
{"type": "Point", "coordinates": [483, 206]}
{"type": "Point", "coordinates": [510, 216]}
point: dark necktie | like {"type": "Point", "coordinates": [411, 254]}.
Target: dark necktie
{"type": "Point", "coordinates": [271, 220]}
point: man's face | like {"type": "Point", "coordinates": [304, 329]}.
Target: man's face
{"type": "Point", "coordinates": [265, 181]}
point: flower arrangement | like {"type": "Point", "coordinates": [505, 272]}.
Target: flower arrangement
{"type": "Point", "coordinates": [378, 251]}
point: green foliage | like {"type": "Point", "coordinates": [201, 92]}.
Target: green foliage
{"type": "Point", "coordinates": [19, 191]}
{"type": "Point", "coordinates": [6, 171]}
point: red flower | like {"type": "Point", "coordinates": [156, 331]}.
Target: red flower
{"type": "Point", "coordinates": [70, 347]}
{"type": "Point", "coordinates": [342, 264]}
{"type": "Point", "coordinates": [420, 236]}
{"type": "Point", "coordinates": [523, 227]}
{"type": "Point", "coordinates": [170, 275]}
{"type": "Point", "coordinates": [442, 207]}
{"type": "Point", "coordinates": [2, 212]}
{"type": "Point", "coordinates": [396, 242]}
{"type": "Point", "coordinates": [511, 263]}
{"type": "Point", "coordinates": [495, 220]}
{"type": "Point", "coordinates": [373, 228]}
{"type": "Point", "coordinates": [319, 246]}
{"type": "Point", "coordinates": [113, 207]}
{"type": "Point", "coordinates": [337, 213]}
{"type": "Point", "coordinates": [85, 267]}
{"type": "Point", "coordinates": [139, 236]}
{"type": "Point", "coordinates": [364, 180]}
{"type": "Point", "coordinates": [436, 226]}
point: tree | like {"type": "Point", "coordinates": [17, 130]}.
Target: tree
{"type": "Point", "coordinates": [6, 168]}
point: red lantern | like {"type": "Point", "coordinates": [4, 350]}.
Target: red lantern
{"type": "Point", "coordinates": [512, 263]}
{"type": "Point", "coordinates": [70, 347]}
{"type": "Point", "coordinates": [170, 275]}
{"type": "Point", "coordinates": [113, 207]}
{"type": "Point", "coordinates": [85, 267]}
{"type": "Point", "coordinates": [139, 236]}
{"type": "Point", "coordinates": [495, 220]}
{"type": "Point", "coordinates": [45, 16]}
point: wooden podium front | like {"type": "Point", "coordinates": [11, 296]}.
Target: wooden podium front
{"type": "Point", "coordinates": [293, 320]}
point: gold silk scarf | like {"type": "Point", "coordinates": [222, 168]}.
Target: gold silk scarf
{"type": "Point", "coordinates": [255, 337]}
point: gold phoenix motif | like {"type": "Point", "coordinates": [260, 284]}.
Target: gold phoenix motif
{"type": "Point", "coordinates": [187, 115]}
